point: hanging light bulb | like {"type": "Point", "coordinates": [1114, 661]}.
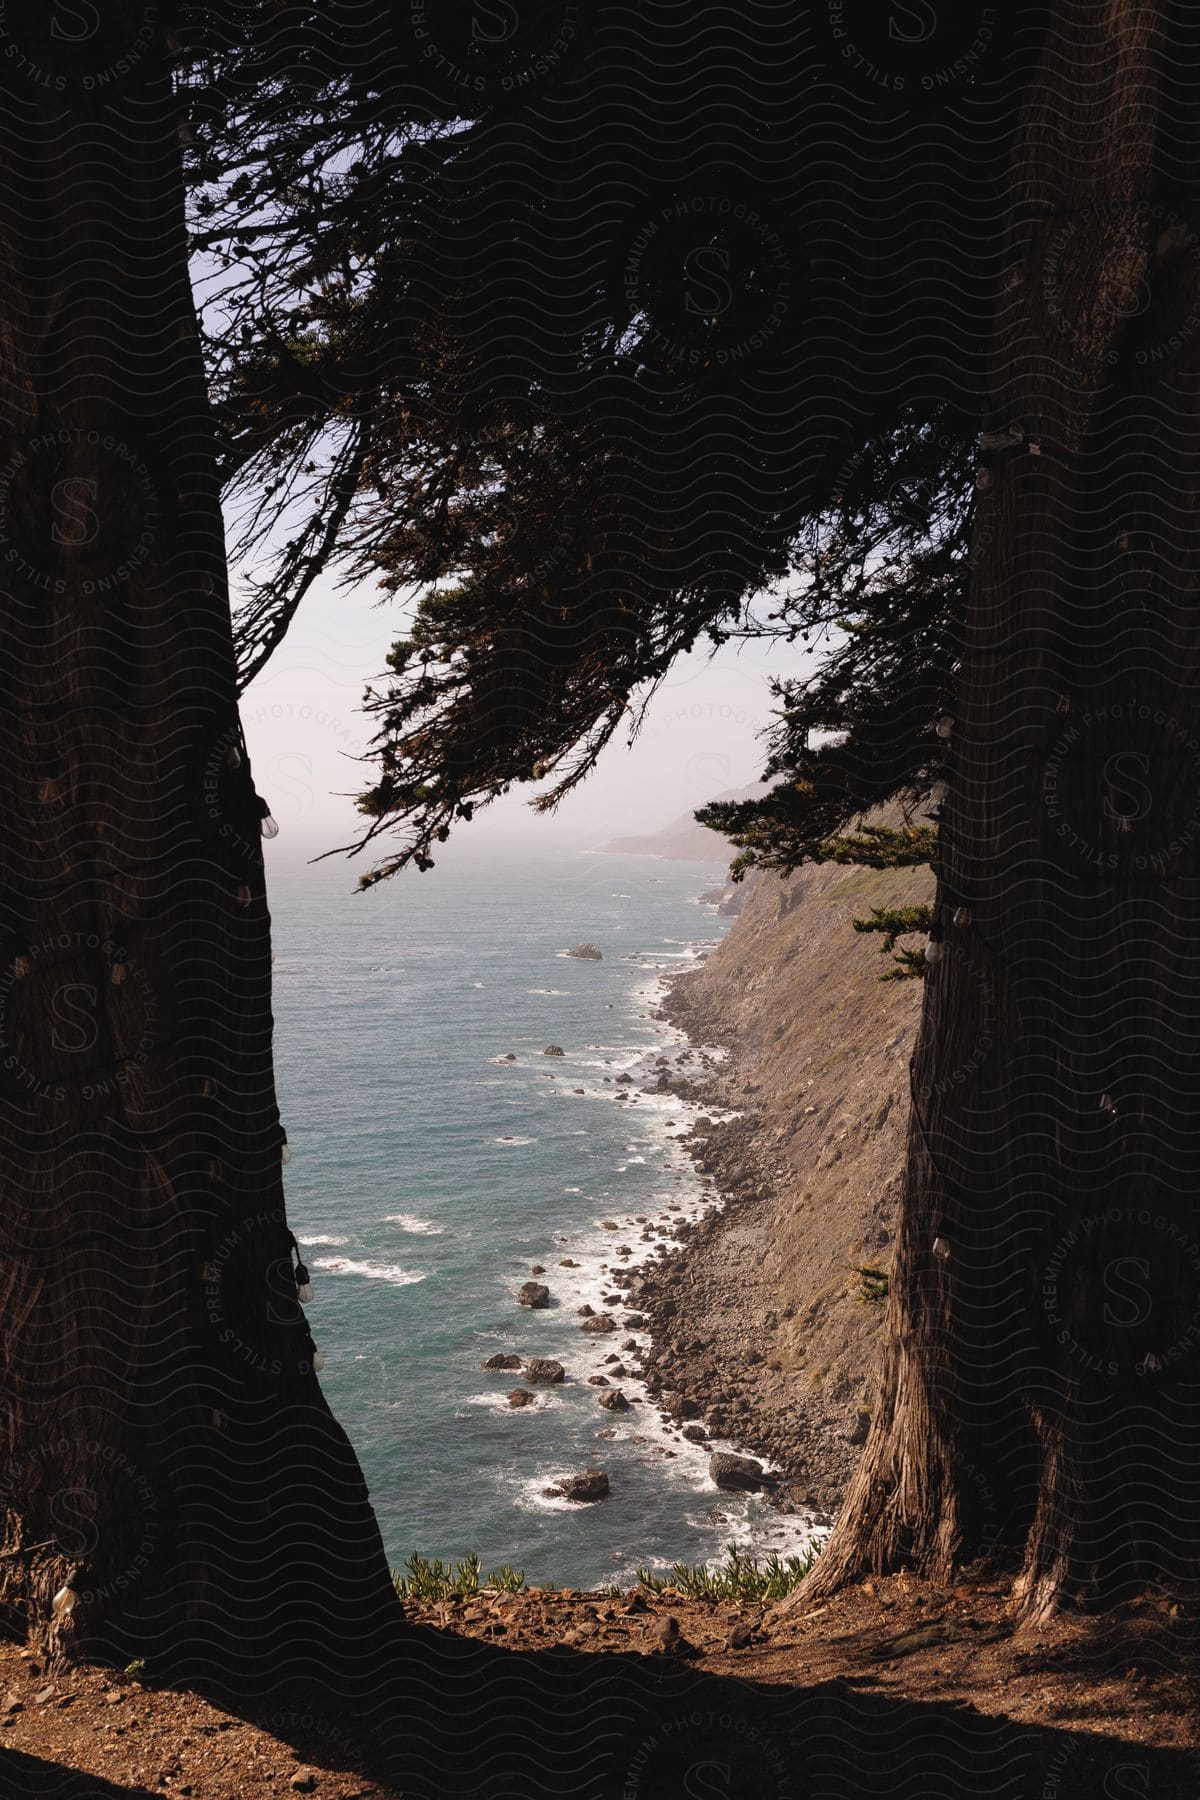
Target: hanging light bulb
{"type": "Point", "coordinates": [933, 950]}
{"type": "Point", "coordinates": [233, 757]}
{"type": "Point", "coordinates": [63, 1605]}
{"type": "Point", "coordinates": [1107, 1104]}
{"type": "Point", "coordinates": [1064, 703]}
{"type": "Point", "coordinates": [941, 1247]}
{"type": "Point", "coordinates": [945, 725]}
{"type": "Point", "coordinates": [938, 792]}
{"type": "Point", "coordinates": [304, 1287]}
{"type": "Point", "coordinates": [120, 966]}
{"type": "Point", "coordinates": [22, 967]}
{"type": "Point", "coordinates": [285, 1150]}
{"type": "Point", "coordinates": [318, 1362]}
{"type": "Point", "coordinates": [244, 896]}
{"type": "Point", "coordinates": [962, 915]}
{"type": "Point", "coordinates": [269, 827]}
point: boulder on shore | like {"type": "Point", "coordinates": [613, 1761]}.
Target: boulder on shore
{"type": "Point", "coordinates": [591, 1485]}
{"type": "Point", "coordinates": [554, 1050]}
{"type": "Point", "coordinates": [736, 1474]}
{"type": "Point", "coordinates": [501, 1361]}
{"type": "Point", "coordinates": [520, 1397]}
{"type": "Point", "coordinates": [600, 1322]}
{"type": "Point", "coordinates": [535, 1294]}
{"type": "Point", "coordinates": [544, 1368]}
{"type": "Point", "coordinates": [614, 1400]}
{"type": "Point", "coordinates": [586, 953]}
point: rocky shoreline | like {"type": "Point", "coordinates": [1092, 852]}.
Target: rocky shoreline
{"type": "Point", "coordinates": [764, 1327]}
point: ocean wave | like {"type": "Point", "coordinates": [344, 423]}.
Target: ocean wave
{"type": "Point", "coordinates": [516, 1141]}
{"type": "Point", "coordinates": [333, 1242]}
{"type": "Point", "coordinates": [389, 1272]}
{"type": "Point", "coordinates": [406, 1222]}
{"type": "Point", "coordinates": [530, 1498]}
{"type": "Point", "coordinates": [497, 1402]}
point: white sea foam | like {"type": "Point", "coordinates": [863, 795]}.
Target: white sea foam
{"type": "Point", "coordinates": [498, 1402]}
{"type": "Point", "coordinates": [333, 1242]}
{"type": "Point", "coordinates": [389, 1272]}
{"type": "Point", "coordinates": [409, 1222]}
{"type": "Point", "coordinates": [514, 1142]}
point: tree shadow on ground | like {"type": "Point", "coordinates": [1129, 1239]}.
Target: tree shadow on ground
{"type": "Point", "coordinates": [24, 1777]}
{"type": "Point", "coordinates": [443, 1718]}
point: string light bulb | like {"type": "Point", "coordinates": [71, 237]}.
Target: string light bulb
{"type": "Point", "coordinates": [244, 896]}
{"type": "Point", "coordinates": [304, 1287]}
{"type": "Point", "coordinates": [233, 757]}
{"type": "Point", "coordinates": [945, 725]}
{"type": "Point", "coordinates": [941, 1247]}
{"type": "Point", "coordinates": [285, 1150]}
{"type": "Point", "coordinates": [318, 1361]}
{"type": "Point", "coordinates": [22, 967]}
{"type": "Point", "coordinates": [120, 966]}
{"type": "Point", "coordinates": [939, 791]}
{"type": "Point", "coordinates": [63, 1605]}
{"type": "Point", "coordinates": [270, 828]}
{"type": "Point", "coordinates": [962, 915]}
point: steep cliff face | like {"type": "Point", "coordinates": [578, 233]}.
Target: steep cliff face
{"type": "Point", "coordinates": [767, 1321]}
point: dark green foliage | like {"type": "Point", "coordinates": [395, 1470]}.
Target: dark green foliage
{"type": "Point", "coordinates": [880, 847]}
{"type": "Point", "coordinates": [458, 355]}
{"type": "Point", "coordinates": [895, 923]}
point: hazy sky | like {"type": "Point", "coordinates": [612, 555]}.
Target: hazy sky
{"type": "Point", "coordinates": [304, 729]}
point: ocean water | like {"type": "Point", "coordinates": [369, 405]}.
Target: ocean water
{"type": "Point", "coordinates": [428, 1175]}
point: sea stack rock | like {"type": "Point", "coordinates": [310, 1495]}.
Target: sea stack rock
{"type": "Point", "coordinates": [586, 953]}
{"type": "Point", "coordinates": [502, 1361]}
{"type": "Point", "coordinates": [736, 1474]}
{"type": "Point", "coordinates": [544, 1368]}
{"type": "Point", "coordinates": [520, 1397]}
{"type": "Point", "coordinates": [554, 1050]}
{"type": "Point", "coordinates": [591, 1485]}
{"type": "Point", "coordinates": [535, 1294]}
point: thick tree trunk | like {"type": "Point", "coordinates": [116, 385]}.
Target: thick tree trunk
{"type": "Point", "coordinates": [1040, 1398]}
{"type": "Point", "coordinates": [170, 1469]}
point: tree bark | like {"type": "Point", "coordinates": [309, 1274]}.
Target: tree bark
{"type": "Point", "coordinates": [1039, 1402]}
{"type": "Point", "coordinates": [170, 1468]}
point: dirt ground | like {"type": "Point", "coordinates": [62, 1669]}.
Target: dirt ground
{"type": "Point", "coordinates": [893, 1688]}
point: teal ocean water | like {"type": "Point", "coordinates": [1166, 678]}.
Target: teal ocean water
{"type": "Point", "coordinates": [428, 1175]}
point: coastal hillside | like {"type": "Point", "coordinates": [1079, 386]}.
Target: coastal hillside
{"type": "Point", "coordinates": [682, 840]}
{"type": "Point", "coordinates": [767, 1324]}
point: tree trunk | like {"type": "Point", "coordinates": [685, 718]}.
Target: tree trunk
{"type": "Point", "coordinates": [1039, 1400]}
{"type": "Point", "coordinates": [170, 1469]}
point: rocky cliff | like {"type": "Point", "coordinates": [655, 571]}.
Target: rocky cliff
{"type": "Point", "coordinates": [767, 1326]}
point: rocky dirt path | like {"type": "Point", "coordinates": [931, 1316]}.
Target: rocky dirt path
{"type": "Point", "coordinates": [894, 1688]}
